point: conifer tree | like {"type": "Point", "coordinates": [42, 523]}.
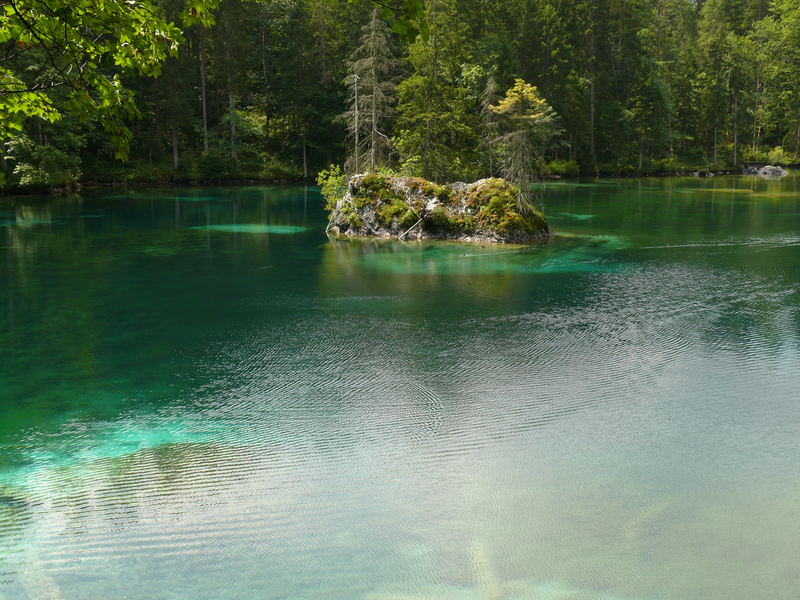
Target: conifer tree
{"type": "Point", "coordinates": [371, 101]}
{"type": "Point", "coordinates": [489, 120]}
{"type": "Point", "coordinates": [438, 134]}
{"type": "Point", "coordinates": [528, 124]}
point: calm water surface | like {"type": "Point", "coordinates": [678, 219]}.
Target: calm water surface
{"type": "Point", "coordinates": [203, 398]}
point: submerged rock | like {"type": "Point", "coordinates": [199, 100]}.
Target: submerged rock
{"type": "Point", "coordinates": [766, 171]}
{"type": "Point", "coordinates": [413, 208]}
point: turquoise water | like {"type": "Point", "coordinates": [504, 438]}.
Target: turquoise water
{"type": "Point", "coordinates": [202, 397]}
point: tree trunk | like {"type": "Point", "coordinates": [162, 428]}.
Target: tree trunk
{"type": "Point", "coordinates": [591, 102]}
{"type": "Point", "coordinates": [735, 130]}
{"type": "Point", "coordinates": [175, 158]}
{"type": "Point", "coordinates": [231, 115]}
{"type": "Point", "coordinates": [641, 152]}
{"type": "Point", "coordinates": [305, 160]}
{"type": "Point", "coordinates": [203, 97]}
{"type": "Point", "coordinates": [232, 120]}
{"type": "Point", "coordinates": [591, 119]}
{"type": "Point", "coordinates": [755, 111]}
{"type": "Point", "coordinates": [797, 143]}
{"type": "Point", "coordinates": [264, 72]}
{"type": "Point", "coordinates": [715, 141]}
{"type": "Point", "coordinates": [357, 124]}
{"type": "Point", "coordinates": [374, 136]}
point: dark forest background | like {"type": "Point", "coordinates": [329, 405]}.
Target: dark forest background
{"type": "Point", "coordinates": [267, 91]}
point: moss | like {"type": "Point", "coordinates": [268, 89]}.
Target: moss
{"type": "Point", "coordinates": [386, 212]}
{"type": "Point", "coordinates": [497, 209]}
{"type": "Point", "coordinates": [374, 190]}
{"type": "Point", "coordinates": [444, 194]}
{"type": "Point", "coordinates": [430, 189]}
{"type": "Point", "coordinates": [490, 208]}
{"type": "Point", "coordinates": [409, 218]}
{"type": "Point", "coordinates": [439, 220]}
{"type": "Point", "coordinates": [354, 221]}
{"type": "Point", "coordinates": [360, 201]}
{"type": "Point", "coordinates": [482, 194]}
{"type": "Point", "coordinates": [378, 191]}
{"type": "Point", "coordinates": [467, 223]}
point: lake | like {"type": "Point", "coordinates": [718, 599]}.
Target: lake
{"type": "Point", "coordinates": [204, 398]}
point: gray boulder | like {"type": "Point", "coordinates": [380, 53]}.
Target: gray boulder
{"type": "Point", "coordinates": [766, 171]}
{"type": "Point", "coordinates": [411, 208]}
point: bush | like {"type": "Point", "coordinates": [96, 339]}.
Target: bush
{"type": "Point", "coordinates": [564, 168]}
{"type": "Point", "coordinates": [274, 168]}
{"type": "Point", "coordinates": [42, 165]}
{"type": "Point", "coordinates": [214, 165]}
{"type": "Point", "coordinates": [333, 185]}
{"type": "Point", "coordinates": [778, 156]}
{"type": "Point", "coordinates": [754, 155]}
{"type": "Point", "coordinates": [666, 166]}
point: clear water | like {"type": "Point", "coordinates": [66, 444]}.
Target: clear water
{"type": "Point", "coordinates": [201, 397]}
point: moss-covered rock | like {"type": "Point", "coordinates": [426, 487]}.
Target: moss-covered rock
{"type": "Point", "coordinates": [413, 208]}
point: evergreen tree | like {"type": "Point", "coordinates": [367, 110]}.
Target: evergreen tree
{"type": "Point", "coordinates": [489, 123]}
{"type": "Point", "coordinates": [257, 91]}
{"type": "Point", "coordinates": [528, 124]}
{"type": "Point", "coordinates": [372, 85]}
{"type": "Point", "coordinates": [437, 134]}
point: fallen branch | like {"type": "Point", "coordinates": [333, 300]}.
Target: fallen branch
{"type": "Point", "coordinates": [401, 236]}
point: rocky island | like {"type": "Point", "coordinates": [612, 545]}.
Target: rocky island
{"type": "Point", "coordinates": [487, 210]}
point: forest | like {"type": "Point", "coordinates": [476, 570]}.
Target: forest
{"type": "Point", "coordinates": [276, 90]}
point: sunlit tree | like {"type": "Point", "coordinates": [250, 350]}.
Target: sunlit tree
{"type": "Point", "coordinates": [527, 125]}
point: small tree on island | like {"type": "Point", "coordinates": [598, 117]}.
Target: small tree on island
{"type": "Point", "coordinates": [371, 98]}
{"type": "Point", "coordinates": [527, 124]}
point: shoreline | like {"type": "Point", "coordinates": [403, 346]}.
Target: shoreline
{"type": "Point", "coordinates": [91, 186]}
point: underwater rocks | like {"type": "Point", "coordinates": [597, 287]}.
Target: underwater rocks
{"type": "Point", "coordinates": [413, 208]}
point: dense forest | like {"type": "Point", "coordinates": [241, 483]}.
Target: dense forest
{"type": "Point", "coordinates": [279, 89]}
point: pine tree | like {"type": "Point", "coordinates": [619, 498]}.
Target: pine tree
{"type": "Point", "coordinates": [438, 134]}
{"type": "Point", "coordinates": [489, 123]}
{"type": "Point", "coordinates": [528, 124]}
{"type": "Point", "coordinates": [371, 102]}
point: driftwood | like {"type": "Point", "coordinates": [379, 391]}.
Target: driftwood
{"type": "Point", "coordinates": [401, 236]}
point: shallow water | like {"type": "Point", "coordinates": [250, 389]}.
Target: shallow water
{"type": "Point", "coordinates": [202, 397]}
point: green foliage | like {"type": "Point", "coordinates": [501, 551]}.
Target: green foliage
{"type": "Point", "coordinates": [487, 208]}
{"type": "Point", "coordinates": [496, 206]}
{"type": "Point", "coordinates": [527, 124]}
{"type": "Point", "coordinates": [371, 85]}
{"type": "Point", "coordinates": [205, 89]}
{"type": "Point", "coordinates": [778, 156]}
{"type": "Point", "coordinates": [437, 134]}
{"type": "Point", "coordinates": [386, 212]}
{"type": "Point", "coordinates": [44, 165]}
{"type": "Point", "coordinates": [563, 168]}
{"type": "Point", "coordinates": [333, 185]}
{"type": "Point", "coordinates": [376, 189]}
{"type": "Point", "coordinates": [407, 17]}
{"type": "Point", "coordinates": [69, 45]}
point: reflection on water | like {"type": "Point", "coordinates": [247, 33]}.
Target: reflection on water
{"type": "Point", "coordinates": [253, 228]}
{"type": "Point", "coordinates": [203, 397]}
{"type": "Point", "coordinates": [564, 253]}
